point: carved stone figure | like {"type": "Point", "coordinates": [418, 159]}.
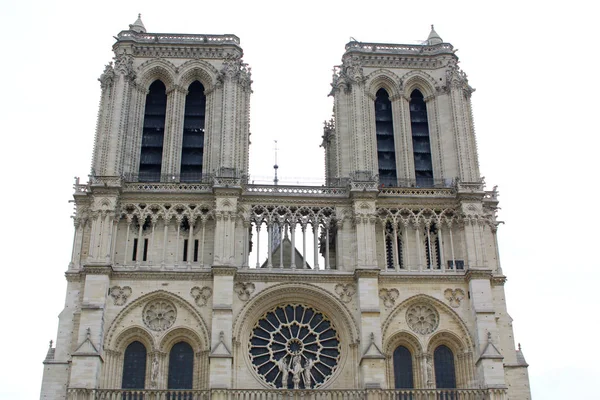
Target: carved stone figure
{"type": "Point", "coordinates": [154, 371]}
{"type": "Point", "coordinates": [283, 368]}
{"type": "Point", "coordinates": [296, 370]}
{"type": "Point", "coordinates": [307, 376]}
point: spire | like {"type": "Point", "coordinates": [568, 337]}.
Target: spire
{"type": "Point", "coordinates": [138, 25]}
{"type": "Point", "coordinates": [275, 167]}
{"type": "Point", "coordinates": [434, 38]}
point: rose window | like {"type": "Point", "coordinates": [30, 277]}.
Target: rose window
{"type": "Point", "coordinates": [294, 347]}
{"type": "Point", "coordinates": [422, 318]}
{"type": "Point", "coordinates": [159, 315]}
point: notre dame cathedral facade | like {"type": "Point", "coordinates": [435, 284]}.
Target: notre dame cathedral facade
{"type": "Point", "coordinates": [188, 282]}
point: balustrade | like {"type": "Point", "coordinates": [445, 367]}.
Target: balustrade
{"type": "Point", "coordinates": [275, 394]}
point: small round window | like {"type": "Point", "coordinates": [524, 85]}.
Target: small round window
{"type": "Point", "coordinates": [294, 347]}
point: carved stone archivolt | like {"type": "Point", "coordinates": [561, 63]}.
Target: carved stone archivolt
{"type": "Point", "coordinates": [201, 295]}
{"type": "Point", "coordinates": [454, 297]}
{"type": "Point", "coordinates": [244, 290]}
{"type": "Point", "coordinates": [422, 318]}
{"type": "Point", "coordinates": [120, 294]}
{"type": "Point", "coordinates": [345, 291]}
{"type": "Point", "coordinates": [389, 296]}
{"type": "Point", "coordinates": [159, 315]}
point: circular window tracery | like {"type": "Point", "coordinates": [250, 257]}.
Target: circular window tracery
{"type": "Point", "coordinates": [159, 315]}
{"type": "Point", "coordinates": [294, 347]}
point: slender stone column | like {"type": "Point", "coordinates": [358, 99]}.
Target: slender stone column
{"type": "Point", "coordinates": [304, 245]}
{"type": "Point", "coordinates": [138, 255]}
{"type": "Point", "coordinates": [316, 244]}
{"type": "Point", "coordinates": [270, 245]}
{"type": "Point", "coordinates": [190, 249]}
{"type": "Point", "coordinates": [281, 236]}
{"type": "Point", "coordinates": [293, 250]}
{"type": "Point", "coordinates": [258, 244]}
{"type": "Point", "coordinates": [406, 247]}
{"type": "Point", "coordinates": [395, 248]}
{"type": "Point", "coordinates": [125, 261]}
{"type": "Point", "coordinates": [165, 242]}
{"type": "Point", "coordinates": [202, 244]}
{"type": "Point", "coordinates": [327, 266]}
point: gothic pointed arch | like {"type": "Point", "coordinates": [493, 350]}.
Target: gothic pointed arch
{"type": "Point", "coordinates": [384, 79]}
{"type": "Point", "coordinates": [194, 122]}
{"type": "Point", "coordinates": [450, 321]}
{"type": "Point", "coordinates": [403, 350]}
{"type": "Point", "coordinates": [384, 134]}
{"type": "Point", "coordinates": [134, 366]}
{"type": "Point", "coordinates": [153, 132]}
{"type": "Point", "coordinates": [134, 311]}
{"type": "Point", "coordinates": [199, 70]}
{"type": "Point", "coordinates": [156, 69]}
{"type": "Point", "coordinates": [419, 80]}
{"type": "Point", "coordinates": [312, 301]}
{"type": "Point", "coordinates": [421, 141]}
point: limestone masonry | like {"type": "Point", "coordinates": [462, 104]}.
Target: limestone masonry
{"type": "Point", "coordinates": [188, 282]}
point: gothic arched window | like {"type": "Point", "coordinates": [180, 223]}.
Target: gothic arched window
{"type": "Point", "coordinates": [403, 368]}
{"type": "Point", "coordinates": [192, 150]}
{"type": "Point", "coordinates": [153, 133]}
{"type": "Point", "coordinates": [181, 366]}
{"type": "Point", "coordinates": [420, 137]}
{"type": "Point", "coordinates": [445, 375]}
{"type": "Point", "coordinates": [134, 366]}
{"type": "Point", "coordinates": [384, 131]}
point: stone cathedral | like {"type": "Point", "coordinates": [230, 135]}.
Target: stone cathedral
{"type": "Point", "coordinates": [190, 281]}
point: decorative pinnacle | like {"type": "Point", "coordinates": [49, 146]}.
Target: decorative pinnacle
{"type": "Point", "coordinates": [51, 344]}
{"type": "Point", "coordinates": [489, 335]}
{"type": "Point", "coordinates": [88, 332]}
{"type": "Point", "coordinates": [519, 346]}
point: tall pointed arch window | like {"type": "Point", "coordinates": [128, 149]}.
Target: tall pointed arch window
{"type": "Point", "coordinates": [384, 131]}
{"type": "Point", "coordinates": [181, 366]}
{"type": "Point", "coordinates": [420, 137]}
{"type": "Point", "coordinates": [403, 368]}
{"type": "Point", "coordinates": [134, 366]}
{"type": "Point", "coordinates": [445, 374]}
{"type": "Point", "coordinates": [192, 150]}
{"type": "Point", "coordinates": [153, 133]}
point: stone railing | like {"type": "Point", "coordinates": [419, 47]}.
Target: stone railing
{"type": "Point", "coordinates": [178, 38]}
{"type": "Point", "coordinates": [167, 187]}
{"type": "Point", "coordinates": [420, 192]}
{"type": "Point", "coordinates": [414, 49]}
{"type": "Point", "coordinates": [264, 394]}
{"type": "Point", "coordinates": [296, 190]}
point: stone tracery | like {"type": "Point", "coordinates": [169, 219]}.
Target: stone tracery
{"type": "Point", "coordinates": [294, 341]}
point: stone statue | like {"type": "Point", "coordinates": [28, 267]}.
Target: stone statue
{"type": "Point", "coordinates": [296, 370]}
{"type": "Point", "coordinates": [307, 377]}
{"type": "Point", "coordinates": [283, 368]}
{"type": "Point", "coordinates": [154, 371]}
{"type": "Point", "coordinates": [429, 368]}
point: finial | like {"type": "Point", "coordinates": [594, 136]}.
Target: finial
{"type": "Point", "coordinates": [431, 26]}
{"type": "Point", "coordinates": [88, 332]}
{"type": "Point", "coordinates": [372, 337]}
{"type": "Point", "coordinates": [275, 167]}
{"type": "Point", "coordinates": [51, 344]}
{"type": "Point", "coordinates": [140, 17]}
{"type": "Point", "coordinates": [519, 346]}
{"type": "Point", "coordinates": [489, 335]}
{"type": "Point", "coordinates": [222, 336]}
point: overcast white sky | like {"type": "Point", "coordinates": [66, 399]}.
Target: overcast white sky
{"type": "Point", "coordinates": [534, 66]}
